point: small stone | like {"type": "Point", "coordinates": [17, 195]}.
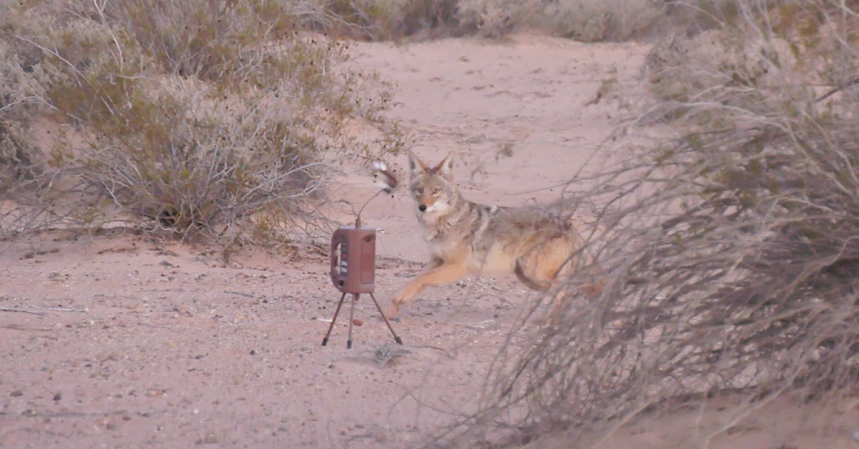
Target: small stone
{"type": "Point", "coordinates": [253, 352]}
{"type": "Point", "coordinates": [58, 396]}
{"type": "Point", "coordinates": [357, 322]}
{"type": "Point", "coordinates": [154, 393]}
{"type": "Point", "coordinates": [17, 393]}
{"type": "Point", "coordinates": [107, 357]}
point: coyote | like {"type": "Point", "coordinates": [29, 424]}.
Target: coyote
{"type": "Point", "coordinates": [467, 238]}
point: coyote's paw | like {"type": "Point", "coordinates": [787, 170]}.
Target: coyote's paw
{"type": "Point", "coordinates": [392, 311]}
{"type": "Point", "coordinates": [407, 294]}
{"type": "Point", "coordinates": [403, 297]}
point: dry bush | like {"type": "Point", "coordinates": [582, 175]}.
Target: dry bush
{"type": "Point", "coordinates": [607, 20]}
{"type": "Point", "coordinates": [355, 19]}
{"type": "Point", "coordinates": [729, 256]}
{"type": "Point", "coordinates": [582, 20]}
{"type": "Point", "coordinates": [431, 17]}
{"type": "Point", "coordinates": [391, 19]}
{"type": "Point", "coordinates": [22, 172]}
{"type": "Point", "coordinates": [17, 95]}
{"type": "Point", "coordinates": [200, 116]}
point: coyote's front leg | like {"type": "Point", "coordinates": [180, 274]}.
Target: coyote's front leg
{"type": "Point", "coordinates": [446, 273]}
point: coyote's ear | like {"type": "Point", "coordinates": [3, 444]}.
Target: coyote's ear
{"type": "Point", "coordinates": [416, 167]}
{"type": "Point", "coordinates": [445, 167]}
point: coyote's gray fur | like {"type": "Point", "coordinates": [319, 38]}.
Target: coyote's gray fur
{"type": "Point", "coordinates": [467, 238]}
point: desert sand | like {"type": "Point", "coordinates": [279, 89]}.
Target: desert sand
{"type": "Point", "coordinates": [120, 340]}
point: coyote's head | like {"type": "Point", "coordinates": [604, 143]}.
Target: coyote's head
{"type": "Point", "coordinates": [432, 188]}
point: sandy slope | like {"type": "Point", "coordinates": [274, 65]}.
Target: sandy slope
{"type": "Point", "coordinates": [120, 341]}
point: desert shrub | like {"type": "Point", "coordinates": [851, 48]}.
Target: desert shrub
{"type": "Point", "coordinates": [356, 19]}
{"type": "Point", "coordinates": [22, 172]}
{"type": "Point", "coordinates": [389, 19]}
{"type": "Point", "coordinates": [17, 96]}
{"type": "Point", "coordinates": [19, 178]}
{"type": "Point", "coordinates": [597, 21]}
{"type": "Point", "coordinates": [734, 65]}
{"type": "Point", "coordinates": [729, 255]}
{"type": "Point", "coordinates": [582, 20]}
{"type": "Point", "coordinates": [691, 17]}
{"type": "Point", "coordinates": [200, 116]}
{"type": "Point", "coordinates": [416, 16]}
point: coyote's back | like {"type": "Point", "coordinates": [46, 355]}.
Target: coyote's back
{"type": "Point", "coordinates": [466, 238]}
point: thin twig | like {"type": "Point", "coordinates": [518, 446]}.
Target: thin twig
{"type": "Point", "coordinates": [32, 312]}
{"type": "Point", "coordinates": [835, 90]}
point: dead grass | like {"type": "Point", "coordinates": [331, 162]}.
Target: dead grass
{"type": "Point", "coordinates": [203, 118]}
{"type": "Point", "coordinates": [581, 20]}
{"type": "Point", "coordinates": [729, 253]}
{"type": "Point", "coordinates": [211, 118]}
{"type": "Point", "coordinates": [584, 20]}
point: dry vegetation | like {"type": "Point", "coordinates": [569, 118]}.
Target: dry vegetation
{"type": "Point", "coordinates": [213, 118]}
{"type": "Point", "coordinates": [584, 20]}
{"type": "Point", "coordinates": [729, 250]}
{"type": "Point", "coordinates": [203, 117]}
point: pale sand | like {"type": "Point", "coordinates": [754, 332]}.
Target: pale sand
{"type": "Point", "coordinates": [122, 342]}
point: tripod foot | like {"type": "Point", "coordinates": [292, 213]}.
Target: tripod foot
{"type": "Point", "coordinates": [331, 326]}
{"type": "Point", "coordinates": [349, 344]}
{"type": "Point", "coordinates": [399, 342]}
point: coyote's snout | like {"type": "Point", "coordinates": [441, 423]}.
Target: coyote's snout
{"type": "Point", "coordinates": [467, 238]}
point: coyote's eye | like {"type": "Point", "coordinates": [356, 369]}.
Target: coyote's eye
{"type": "Point", "coordinates": [435, 191]}
{"type": "Point", "coordinates": [419, 191]}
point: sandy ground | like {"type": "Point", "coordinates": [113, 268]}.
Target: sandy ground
{"type": "Point", "coordinates": [123, 341]}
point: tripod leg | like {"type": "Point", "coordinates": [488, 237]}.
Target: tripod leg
{"type": "Point", "coordinates": [351, 314]}
{"type": "Point", "coordinates": [325, 340]}
{"type": "Point", "coordinates": [397, 339]}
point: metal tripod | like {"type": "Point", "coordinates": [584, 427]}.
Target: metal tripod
{"type": "Point", "coordinates": [351, 314]}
